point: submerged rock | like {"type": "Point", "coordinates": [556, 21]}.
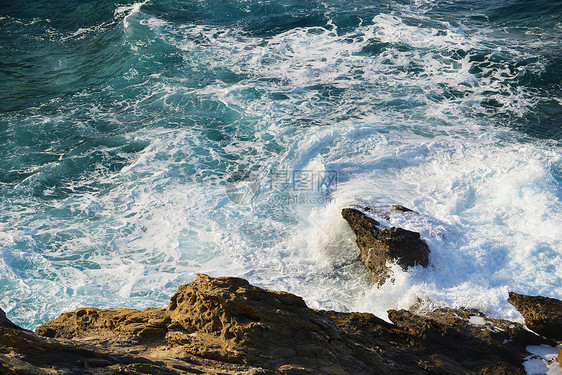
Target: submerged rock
{"type": "Point", "coordinates": [542, 314]}
{"type": "Point", "coordinates": [225, 325]}
{"type": "Point", "coordinates": [382, 247]}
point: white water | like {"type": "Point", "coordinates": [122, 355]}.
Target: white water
{"type": "Point", "coordinates": [488, 202]}
{"type": "Point", "coordinates": [542, 360]}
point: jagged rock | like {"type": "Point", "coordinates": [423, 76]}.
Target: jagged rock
{"type": "Point", "coordinates": [542, 314]}
{"type": "Point", "coordinates": [85, 322]}
{"type": "Point", "coordinates": [443, 341]}
{"type": "Point", "coordinates": [228, 320]}
{"type": "Point", "coordinates": [227, 326]}
{"type": "Point", "coordinates": [559, 359]}
{"type": "Point", "coordinates": [5, 322]}
{"type": "Point", "coordinates": [467, 339]}
{"type": "Point", "coordinates": [26, 353]}
{"type": "Point", "coordinates": [275, 330]}
{"type": "Point", "coordinates": [381, 247]}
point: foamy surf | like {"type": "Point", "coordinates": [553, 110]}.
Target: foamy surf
{"type": "Point", "coordinates": [129, 11]}
{"type": "Point", "coordinates": [122, 194]}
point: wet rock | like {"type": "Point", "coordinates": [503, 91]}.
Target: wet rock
{"type": "Point", "coordinates": [397, 207]}
{"type": "Point", "coordinates": [382, 247]}
{"type": "Point", "coordinates": [542, 314]}
{"type": "Point", "coordinates": [467, 339]}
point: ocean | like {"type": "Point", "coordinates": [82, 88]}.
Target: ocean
{"type": "Point", "coordinates": [143, 142]}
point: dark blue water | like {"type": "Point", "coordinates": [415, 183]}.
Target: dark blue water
{"type": "Point", "coordinates": [122, 125]}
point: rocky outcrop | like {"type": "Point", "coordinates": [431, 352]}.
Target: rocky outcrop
{"type": "Point", "coordinates": [542, 314]}
{"type": "Point", "coordinates": [382, 247]}
{"type": "Point", "coordinates": [466, 339]}
{"type": "Point", "coordinates": [225, 325]}
{"type": "Point", "coordinates": [243, 320]}
{"type": "Point", "coordinates": [445, 341]}
{"type": "Point", "coordinates": [5, 322]}
{"type": "Point", "coordinates": [26, 353]}
{"type": "Point", "coordinates": [228, 321]}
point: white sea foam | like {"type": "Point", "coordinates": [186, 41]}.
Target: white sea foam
{"type": "Point", "coordinates": [542, 360]}
{"type": "Point", "coordinates": [308, 99]}
{"type": "Point", "coordinates": [302, 58]}
{"type": "Point", "coordinates": [129, 11]}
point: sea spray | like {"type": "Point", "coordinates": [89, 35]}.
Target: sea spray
{"type": "Point", "coordinates": [123, 124]}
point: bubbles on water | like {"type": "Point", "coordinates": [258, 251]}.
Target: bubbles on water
{"type": "Point", "coordinates": [403, 109]}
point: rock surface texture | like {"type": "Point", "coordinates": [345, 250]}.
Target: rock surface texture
{"type": "Point", "coordinates": [382, 247]}
{"type": "Point", "coordinates": [227, 326]}
{"type": "Point", "coordinates": [542, 314]}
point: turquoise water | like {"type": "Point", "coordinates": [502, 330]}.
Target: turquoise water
{"type": "Point", "coordinates": [123, 125]}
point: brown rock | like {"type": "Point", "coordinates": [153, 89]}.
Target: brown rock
{"type": "Point", "coordinates": [251, 325]}
{"type": "Point", "coordinates": [227, 320]}
{"type": "Point", "coordinates": [26, 353]}
{"type": "Point", "coordinates": [89, 321]}
{"type": "Point", "coordinates": [5, 322]}
{"type": "Point", "coordinates": [225, 325]}
{"type": "Point", "coordinates": [397, 207]}
{"type": "Point", "coordinates": [443, 341]}
{"type": "Point", "coordinates": [559, 359]}
{"type": "Point", "coordinates": [379, 247]}
{"type": "Point", "coordinates": [542, 314]}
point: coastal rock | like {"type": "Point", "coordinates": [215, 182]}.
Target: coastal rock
{"type": "Point", "coordinates": [382, 247]}
{"type": "Point", "coordinates": [5, 322]}
{"type": "Point", "coordinates": [466, 339]}
{"type": "Point", "coordinates": [227, 320]}
{"type": "Point", "coordinates": [26, 353]}
{"type": "Point", "coordinates": [225, 325]}
{"type": "Point", "coordinates": [542, 314]}
{"type": "Point", "coordinates": [443, 341]}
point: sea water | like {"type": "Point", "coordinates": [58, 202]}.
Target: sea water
{"type": "Point", "coordinates": [143, 142]}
